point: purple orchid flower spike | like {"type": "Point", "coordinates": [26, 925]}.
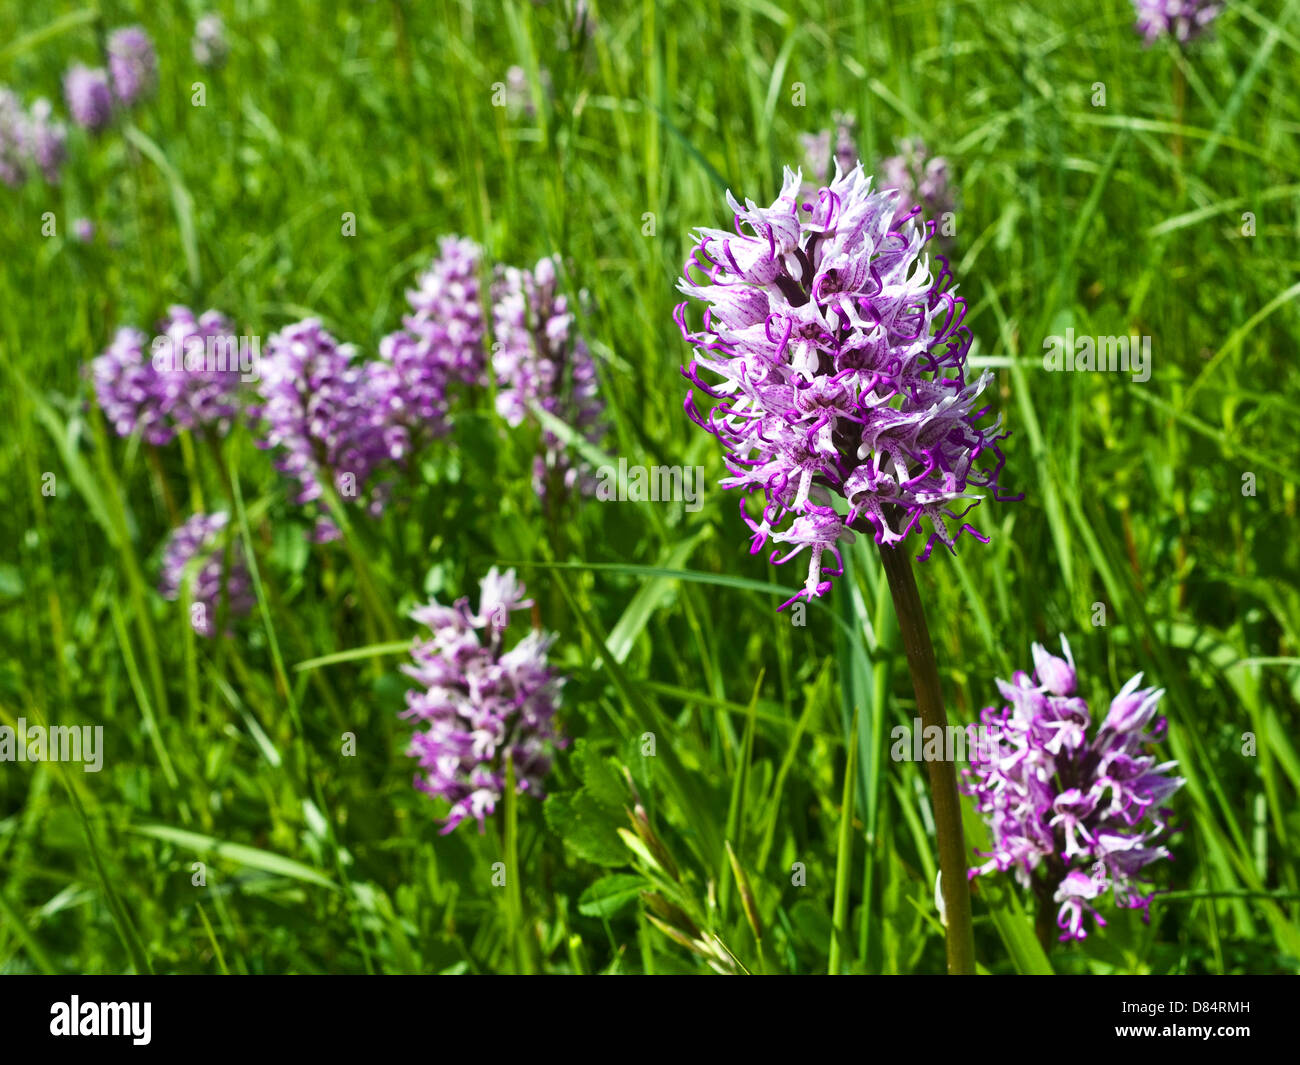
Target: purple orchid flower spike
{"type": "Point", "coordinates": [832, 361]}
{"type": "Point", "coordinates": [481, 704]}
{"type": "Point", "coordinates": [1073, 817]}
{"type": "Point", "coordinates": [540, 359]}
{"type": "Point", "coordinates": [47, 140]}
{"type": "Point", "coordinates": [89, 97]}
{"type": "Point", "coordinates": [13, 139]}
{"type": "Point", "coordinates": [199, 538]}
{"type": "Point", "coordinates": [922, 181]}
{"type": "Point", "coordinates": [441, 343]}
{"type": "Point", "coordinates": [132, 63]}
{"type": "Point", "coordinates": [1182, 20]}
{"type": "Point", "coordinates": [331, 417]}
{"type": "Point", "coordinates": [174, 381]}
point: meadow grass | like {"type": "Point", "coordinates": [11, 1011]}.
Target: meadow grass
{"type": "Point", "coordinates": [781, 829]}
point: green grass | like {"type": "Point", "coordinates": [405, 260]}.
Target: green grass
{"type": "Point", "coordinates": [1119, 219]}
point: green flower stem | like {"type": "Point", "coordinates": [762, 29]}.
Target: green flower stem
{"type": "Point", "coordinates": [943, 777]}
